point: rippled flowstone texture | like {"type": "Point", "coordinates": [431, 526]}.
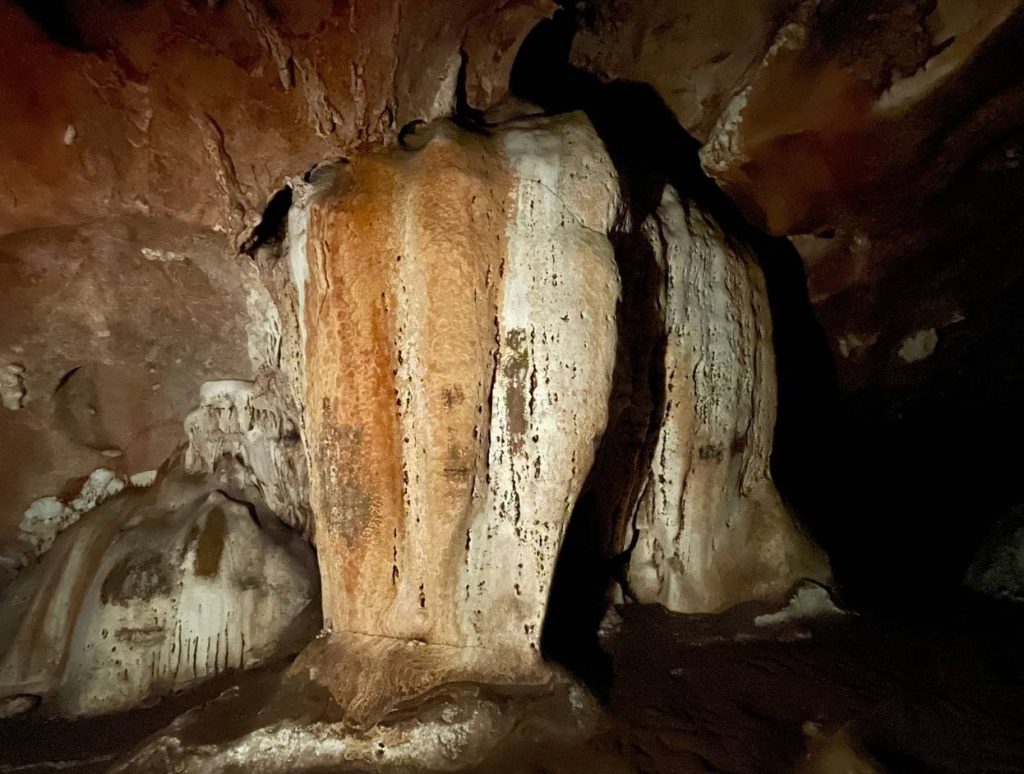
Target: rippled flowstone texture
{"type": "Point", "coordinates": [459, 332]}
{"type": "Point", "coordinates": [710, 528]}
{"type": "Point", "coordinates": [455, 313]}
{"type": "Point", "coordinates": [158, 589]}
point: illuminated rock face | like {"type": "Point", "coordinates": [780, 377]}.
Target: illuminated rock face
{"type": "Point", "coordinates": [156, 590]}
{"type": "Point", "coordinates": [456, 306]}
{"type": "Point", "coordinates": [711, 529]}
{"type": "Point", "coordinates": [199, 112]}
{"type": "Point", "coordinates": [254, 426]}
{"type": "Point", "coordinates": [106, 334]}
{"type": "Point", "coordinates": [459, 327]}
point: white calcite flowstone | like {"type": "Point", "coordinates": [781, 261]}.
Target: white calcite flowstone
{"type": "Point", "coordinates": [711, 530]}
{"type": "Point", "coordinates": [457, 310]}
{"type": "Point", "coordinates": [252, 424]}
{"type": "Point", "coordinates": [157, 589]}
{"type": "Point", "coordinates": [46, 517]}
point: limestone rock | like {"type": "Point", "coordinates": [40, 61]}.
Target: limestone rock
{"type": "Point", "coordinates": [460, 728]}
{"type": "Point", "coordinates": [156, 590]}
{"type": "Point", "coordinates": [255, 425]}
{"type": "Point", "coordinates": [867, 99]}
{"type": "Point", "coordinates": [48, 516]}
{"type": "Point", "coordinates": [884, 138]}
{"type": "Point", "coordinates": [711, 530]}
{"type": "Point", "coordinates": [886, 142]}
{"type": "Point", "coordinates": [693, 53]}
{"type": "Point", "coordinates": [201, 111]}
{"type": "Point", "coordinates": [459, 332]}
{"type": "Point", "coordinates": [109, 346]}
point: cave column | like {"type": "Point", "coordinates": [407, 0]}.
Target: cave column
{"type": "Point", "coordinates": [459, 327]}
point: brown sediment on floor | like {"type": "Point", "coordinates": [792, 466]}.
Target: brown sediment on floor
{"type": "Point", "coordinates": [688, 694]}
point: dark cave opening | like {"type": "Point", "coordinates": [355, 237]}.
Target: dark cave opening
{"type": "Point", "coordinates": [272, 226]}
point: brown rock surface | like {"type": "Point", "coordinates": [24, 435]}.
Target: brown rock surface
{"type": "Point", "coordinates": [113, 326]}
{"type": "Point", "coordinates": [882, 135]}
{"type": "Point", "coordinates": [200, 111]}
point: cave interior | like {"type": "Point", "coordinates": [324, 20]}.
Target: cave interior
{"type": "Point", "coordinates": [527, 386]}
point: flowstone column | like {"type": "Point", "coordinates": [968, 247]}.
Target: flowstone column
{"type": "Point", "coordinates": [458, 312]}
{"type": "Point", "coordinates": [711, 529]}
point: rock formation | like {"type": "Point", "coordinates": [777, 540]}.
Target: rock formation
{"type": "Point", "coordinates": [459, 327]}
{"type": "Point", "coordinates": [107, 330]}
{"type": "Point", "coordinates": [200, 111]}
{"type": "Point", "coordinates": [248, 431]}
{"type": "Point", "coordinates": [433, 341]}
{"type": "Point", "coordinates": [711, 530]}
{"type": "Point", "coordinates": [158, 589]}
{"type": "Point", "coordinates": [870, 133]}
{"type": "Point", "coordinates": [293, 288]}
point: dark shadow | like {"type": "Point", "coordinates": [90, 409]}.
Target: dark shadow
{"type": "Point", "coordinates": [273, 225]}
{"type": "Point", "coordinates": [57, 21]}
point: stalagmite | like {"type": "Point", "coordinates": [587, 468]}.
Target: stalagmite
{"type": "Point", "coordinates": [253, 424]}
{"type": "Point", "coordinates": [459, 340]}
{"type": "Point", "coordinates": [711, 530]}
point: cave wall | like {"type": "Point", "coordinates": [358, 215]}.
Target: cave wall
{"type": "Point", "coordinates": [869, 132]}
{"type": "Point", "coordinates": [105, 328]}
{"type": "Point", "coordinates": [201, 111]}
{"type": "Point", "coordinates": [882, 138]}
{"type": "Point", "coordinates": [144, 143]}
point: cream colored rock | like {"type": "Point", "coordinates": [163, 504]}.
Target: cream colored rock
{"type": "Point", "coordinates": [254, 426]}
{"type": "Point", "coordinates": [45, 518]}
{"type": "Point", "coordinates": [156, 590]}
{"type": "Point", "coordinates": [711, 529]}
{"type": "Point", "coordinates": [459, 341]}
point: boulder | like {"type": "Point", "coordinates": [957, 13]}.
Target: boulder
{"type": "Point", "coordinates": [156, 590]}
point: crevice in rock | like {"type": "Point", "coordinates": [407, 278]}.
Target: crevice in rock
{"type": "Point", "coordinates": [465, 114]}
{"type": "Point", "coordinates": [273, 225]}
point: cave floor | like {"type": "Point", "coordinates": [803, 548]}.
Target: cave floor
{"type": "Point", "coordinates": [942, 697]}
{"type": "Point", "coordinates": [698, 694]}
